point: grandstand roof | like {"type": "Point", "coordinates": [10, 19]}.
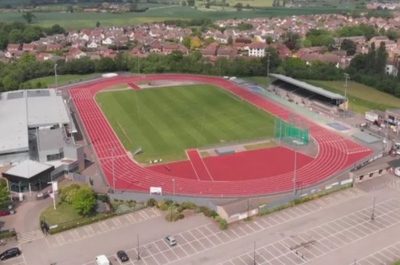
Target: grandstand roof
{"type": "Point", "coordinates": [22, 109]}
{"type": "Point", "coordinates": [309, 87]}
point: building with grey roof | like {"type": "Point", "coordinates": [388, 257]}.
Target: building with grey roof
{"type": "Point", "coordinates": [36, 138]}
{"type": "Point", "coordinates": [21, 111]}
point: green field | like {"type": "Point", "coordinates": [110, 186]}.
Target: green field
{"type": "Point", "coordinates": [159, 13]}
{"type": "Point", "coordinates": [50, 81]}
{"type": "Point", "coordinates": [165, 122]}
{"type": "Point", "coordinates": [259, 80]}
{"type": "Point", "coordinates": [361, 98]}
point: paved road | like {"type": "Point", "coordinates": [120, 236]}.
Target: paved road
{"type": "Point", "coordinates": [335, 229]}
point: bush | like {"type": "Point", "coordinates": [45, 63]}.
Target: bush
{"type": "Point", "coordinates": [7, 234]}
{"type": "Point", "coordinates": [169, 202]}
{"type": "Point", "coordinates": [180, 209]}
{"type": "Point", "coordinates": [223, 224]}
{"type": "Point", "coordinates": [151, 202]}
{"type": "Point", "coordinates": [197, 210]}
{"type": "Point", "coordinates": [188, 205]}
{"type": "Point", "coordinates": [162, 206]}
{"type": "Point", "coordinates": [103, 197]}
{"type": "Point", "coordinates": [206, 211]}
{"type": "Point", "coordinates": [181, 216]}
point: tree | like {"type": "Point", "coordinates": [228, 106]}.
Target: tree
{"type": "Point", "coordinates": [349, 46]}
{"type": "Point", "coordinates": [97, 24]}
{"type": "Point", "coordinates": [67, 193]}
{"type": "Point", "coordinates": [230, 40]}
{"type": "Point", "coordinates": [239, 6]}
{"type": "Point", "coordinates": [186, 41]}
{"type": "Point", "coordinates": [28, 16]}
{"type": "Point", "coordinates": [195, 43]}
{"type": "Point", "coordinates": [269, 39]}
{"type": "Point", "coordinates": [84, 200]}
{"type": "Point", "coordinates": [4, 192]}
{"type": "Point", "coordinates": [191, 3]}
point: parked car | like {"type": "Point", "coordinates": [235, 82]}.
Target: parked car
{"type": "Point", "coordinates": [122, 256]}
{"type": "Point", "coordinates": [171, 241]}
{"type": "Point", "coordinates": [10, 253]}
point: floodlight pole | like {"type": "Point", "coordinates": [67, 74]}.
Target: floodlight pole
{"type": "Point", "coordinates": [173, 187]}
{"type": "Point", "coordinates": [268, 62]}
{"type": "Point", "coordinates": [54, 195]}
{"type": "Point", "coordinates": [113, 167]}
{"type": "Point", "coordinates": [295, 172]}
{"type": "Point", "coordinates": [346, 77]}
{"type": "Point", "coordinates": [55, 75]}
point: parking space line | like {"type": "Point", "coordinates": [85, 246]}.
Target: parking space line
{"type": "Point", "coordinates": [89, 230]}
{"type": "Point", "coordinates": [60, 240]}
{"type": "Point", "coordinates": [143, 216]}
{"type": "Point", "coordinates": [130, 218]}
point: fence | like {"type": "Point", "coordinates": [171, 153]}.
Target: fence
{"type": "Point", "coordinates": [290, 133]}
{"type": "Point", "coordinates": [326, 190]}
{"type": "Point", "coordinates": [127, 196]}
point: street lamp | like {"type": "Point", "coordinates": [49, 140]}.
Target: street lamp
{"type": "Point", "coordinates": [254, 254]}
{"type": "Point", "coordinates": [138, 246]}
{"type": "Point", "coordinates": [373, 210]}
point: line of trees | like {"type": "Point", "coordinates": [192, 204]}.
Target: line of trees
{"type": "Point", "coordinates": [19, 32]}
{"type": "Point", "coordinates": [369, 69]}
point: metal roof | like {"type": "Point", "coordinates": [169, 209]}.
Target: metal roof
{"type": "Point", "coordinates": [13, 126]}
{"type": "Point", "coordinates": [28, 169]}
{"type": "Point", "coordinates": [20, 110]}
{"type": "Point", "coordinates": [309, 87]}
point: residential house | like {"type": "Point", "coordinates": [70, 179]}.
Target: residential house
{"type": "Point", "coordinates": [13, 47]}
{"type": "Point", "coordinates": [227, 52]}
{"type": "Point", "coordinates": [155, 46]}
{"type": "Point", "coordinates": [53, 47]}
{"type": "Point", "coordinates": [75, 53]}
{"type": "Point", "coordinates": [92, 45]}
{"type": "Point", "coordinates": [29, 47]}
{"type": "Point", "coordinates": [257, 49]}
{"type": "Point", "coordinates": [170, 47]}
{"type": "Point", "coordinates": [108, 41]}
{"type": "Point", "coordinates": [44, 56]}
{"type": "Point", "coordinates": [377, 40]}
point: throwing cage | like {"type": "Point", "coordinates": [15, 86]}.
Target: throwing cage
{"type": "Point", "coordinates": [294, 133]}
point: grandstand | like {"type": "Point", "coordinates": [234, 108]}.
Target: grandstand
{"type": "Point", "coordinates": [307, 95]}
{"type": "Point", "coordinates": [35, 128]}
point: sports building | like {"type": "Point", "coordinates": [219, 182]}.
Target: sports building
{"type": "Point", "coordinates": [36, 143]}
{"type": "Point", "coordinates": [306, 95]}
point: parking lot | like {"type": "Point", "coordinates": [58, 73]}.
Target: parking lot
{"type": "Point", "coordinates": [326, 238]}
{"type": "Point", "coordinates": [310, 233]}
{"type": "Point", "coordinates": [99, 228]}
{"type": "Point", "coordinates": [209, 236]}
{"type": "Point", "coordinates": [383, 256]}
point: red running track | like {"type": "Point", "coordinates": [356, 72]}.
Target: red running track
{"type": "Point", "coordinates": [199, 167]}
{"type": "Point", "coordinates": [335, 152]}
{"type": "Point", "coordinates": [134, 86]}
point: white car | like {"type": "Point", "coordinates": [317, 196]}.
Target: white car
{"type": "Point", "coordinates": [397, 171]}
{"type": "Point", "coordinates": [171, 241]}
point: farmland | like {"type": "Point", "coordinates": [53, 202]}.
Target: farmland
{"type": "Point", "coordinates": [165, 122]}
{"type": "Point", "coordinates": [159, 13]}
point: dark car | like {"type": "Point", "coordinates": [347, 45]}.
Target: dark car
{"type": "Point", "coordinates": [122, 256]}
{"type": "Point", "coordinates": [10, 253]}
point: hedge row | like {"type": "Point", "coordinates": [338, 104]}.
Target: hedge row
{"type": "Point", "coordinates": [8, 234]}
{"type": "Point", "coordinates": [175, 211]}
{"type": "Point", "coordinates": [77, 224]}
{"type": "Point", "coordinates": [301, 200]}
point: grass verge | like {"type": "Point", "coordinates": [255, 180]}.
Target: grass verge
{"type": "Point", "coordinates": [361, 98]}
{"type": "Point", "coordinates": [49, 81]}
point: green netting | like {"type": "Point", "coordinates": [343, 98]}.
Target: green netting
{"type": "Point", "coordinates": [290, 133]}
